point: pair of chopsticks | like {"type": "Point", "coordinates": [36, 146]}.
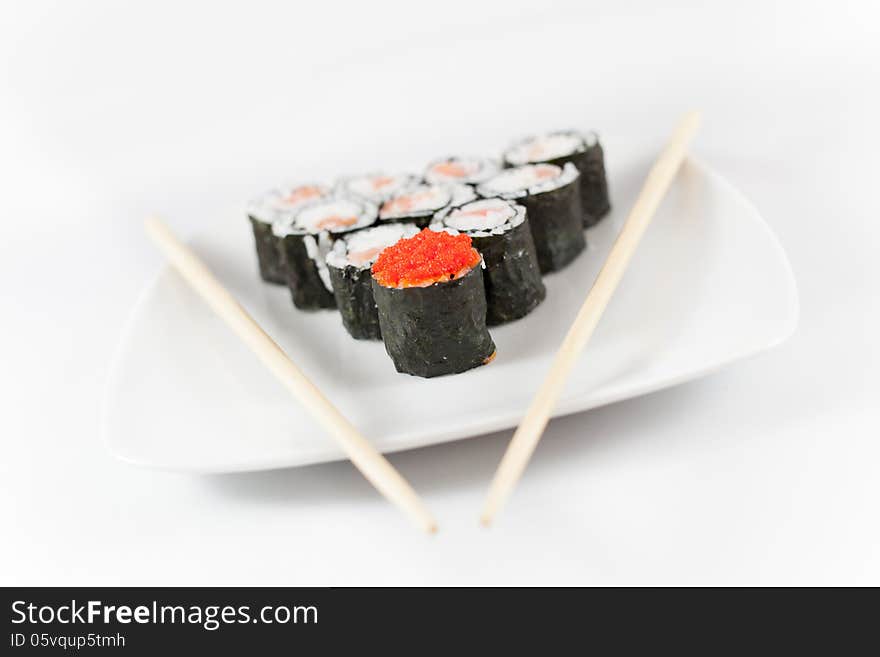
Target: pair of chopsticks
{"type": "Point", "coordinates": [375, 467]}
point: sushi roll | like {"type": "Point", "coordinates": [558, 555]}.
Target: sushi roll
{"type": "Point", "coordinates": [469, 170]}
{"type": "Point", "coordinates": [582, 150]}
{"type": "Point", "coordinates": [265, 211]}
{"type": "Point", "coordinates": [375, 187]}
{"type": "Point", "coordinates": [500, 231]}
{"type": "Point", "coordinates": [417, 204]}
{"type": "Point", "coordinates": [307, 237]}
{"type": "Point", "coordinates": [349, 264]}
{"type": "Point", "coordinates": [552, 197]}
{"type": "Point", "coordinates": [432, 304]}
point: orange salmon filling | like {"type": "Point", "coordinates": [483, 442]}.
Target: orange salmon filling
{"type": "Point", "coordinates": [304, 193]}
{"type": "Point", "coordinates": [485, 212]}
{"type": "Point", "coordinates": [360, 257]}
{"type": "Point", "coordinates": [424, 259]}
{"type": "Point", "coordinates": [403, 204]}
{"type": "Point", "coordinates": [451, 169]}
{"type": "Point", "coordinates": [536, 152]}
{"type": "Point", "coordinates": [542, 172]}
{"type": "Point", "coordinates": [336, 222]}
{"type": "Point", "coordinates": [381, 181]}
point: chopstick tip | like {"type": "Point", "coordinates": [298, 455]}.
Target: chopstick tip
{"type": "Point", "coordinates": [155, 227]}
{"type": "Point", "coordinates": [694, 117]}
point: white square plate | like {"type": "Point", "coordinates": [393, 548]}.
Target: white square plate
{"type": "Point", "coordinates": [709, 285]}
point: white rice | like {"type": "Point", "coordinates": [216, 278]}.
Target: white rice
{"type": "Point", "coordinates": [317, 248]}
{"type": "Point", "coordinates": [361, 249]}
{"type": "Point", "coordinates": [494, 216]}
{"type": "Point", "coordinates": [313, 218]}
{"type": "Point", "coordinates": [471, 170]}
{"type": "Point", "coordinates": [549, 147]}
{"type": "Point", "coordinates": [425, 200]}
{"type": "Point", "coordinates": [376, 187]}
{"type": "Point", "coordinates": [462, 194]}
{"type": "Point", "coordinates": [276, 204]}
{"type": "Point", "coordinates": [528, 180]}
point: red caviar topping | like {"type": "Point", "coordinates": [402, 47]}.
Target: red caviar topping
{"type": "Point", "coordinates": [424, 259]}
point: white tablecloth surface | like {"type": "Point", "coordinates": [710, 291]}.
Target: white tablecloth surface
{"type": "Point", "coordinates": [764, 473]}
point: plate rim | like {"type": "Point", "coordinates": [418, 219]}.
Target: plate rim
{"type": "Point", "coordinates": [501, 420]}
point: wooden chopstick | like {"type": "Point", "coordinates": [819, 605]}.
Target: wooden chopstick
{"type": "Point", "coordinates": [529, 432]}
{"type": "Point", "coordinates": [371, 463]}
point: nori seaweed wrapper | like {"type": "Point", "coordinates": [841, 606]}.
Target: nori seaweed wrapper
{"type": "Point", "coordinates": [555, 218]}
{"type": "Point", "coordinates": [595, 201]}
{"type": "Point", "coordinates": [306, 240]}
{"type": "Point", "coordinates": [272, 269]}
{"type": "Point", "coordinates": [594, 184]}
{"type": "Point", "coordinates": [307, 288]}
{"type": "Point", "coordinates": [436, 330]}
{"type": "Point", "coordinates": [512, 276]}
{"type": "Point", "coordinates": [422, 220]}
{"type": "Point", "coordinates": [353, 290]}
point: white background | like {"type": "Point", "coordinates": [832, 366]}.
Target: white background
{"type": "Point", "coordinates": [765, 473]}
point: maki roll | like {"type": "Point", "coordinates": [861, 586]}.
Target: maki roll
{"type": "Point", "coordinates": [432, 304]}
{"type": "Point", "coordinates": [418, 204]}
{"type": "Point", "coordinates": [307, 236]}
{"type": "Point", "coordinates": [552, 197]}
{"type": "Point", "coordinates": [265, 211]}
{"type": "Point", "coordinates": [500, 231]}
{"type": "Point", "coordinates": [469, 170]}
{"type": "Point", "coordinates": [375, 187]}
{"type": "Point", "coordinates": [349, 265]}
{"type": "Point", "coordinates": [582, 150]}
